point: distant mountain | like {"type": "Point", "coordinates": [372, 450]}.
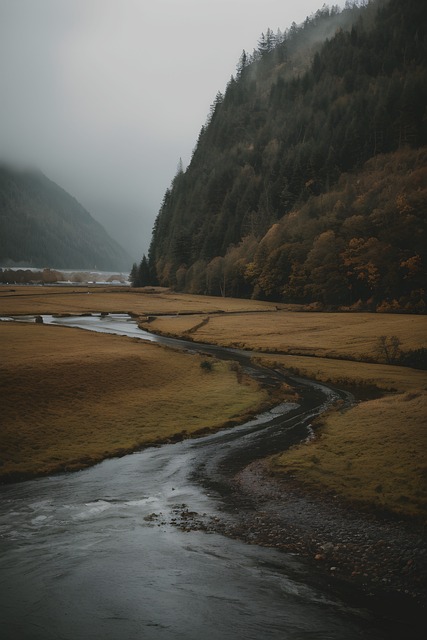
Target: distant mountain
{"type": "Point", "coordinates": [41, 225]}
{"type": "Point", "coordinates": [282, 199]}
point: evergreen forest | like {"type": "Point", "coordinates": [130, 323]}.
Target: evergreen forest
{"type": "Point", "coordinates": [308, 181]}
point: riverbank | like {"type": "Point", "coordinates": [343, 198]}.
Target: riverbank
{"type": "Point", "coordinates": [59, 386]}
{"type": "Point", "coordinates": [379, 553]}
{"type": "Point", "coordinates": [71, 398]}
{"type": "Point", "coordinates": [330, 347]}
{"type": "Point", "coordinates": [384, 558]}
{"type": "Point", "coordinates": [373, 454]}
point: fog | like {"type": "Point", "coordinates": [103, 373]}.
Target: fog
{"type": "Point", "coordinates": [105, 96]}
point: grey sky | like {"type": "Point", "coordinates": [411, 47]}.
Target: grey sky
{"type": "Point", "coordinates": [105, 96]}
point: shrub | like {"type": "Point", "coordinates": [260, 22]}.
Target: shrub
{"type": "Point", "coordinates": [388, 349]}
{"type": "Point", "coordinates": [206, 365]}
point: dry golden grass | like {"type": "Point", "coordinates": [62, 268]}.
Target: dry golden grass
{"type": "Point", "coordinates": [332, 335]}
{"type": "Point", "coordinates": [342, 335]}
{"type": "Point", "coordinates": [31, 300]}
{"type": "Point", "coordinates": [71, 398]}
{"type": "Point", "coordinates": [87, 396]}
{"type": "Point", "coordinates": [351, 374]}
{"type": "Point", "coordinates": [373, 454]}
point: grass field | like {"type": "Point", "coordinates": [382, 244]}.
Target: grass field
{"type": "Point", "coordinates": [331, 335]}
{"type": "Point", "coordinates": [376, 453]}
{"type": "Point", "coordinates": [71, 398]}
{"type": "Point", "coordinates": [373, 454]}
{"type": "Point", "coordinates": [56, 299]}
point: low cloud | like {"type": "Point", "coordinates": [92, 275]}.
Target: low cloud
{"type": "Point", "coordinates": [105, 96]}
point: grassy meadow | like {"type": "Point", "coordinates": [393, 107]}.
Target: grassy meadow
{"type": "Point", "coordinates": [324, 335]}
{"type": "Point", "coordinates": [21, 300]}
{"type": "Point", "coordinates": [71, 398]}
{"type": "Point", "coordinates": [374, 454]}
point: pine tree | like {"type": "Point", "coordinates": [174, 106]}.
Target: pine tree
{"type": "Point", "coordinates": [134, 275]}
{"type": "Point", "coordinates": [144, 272]}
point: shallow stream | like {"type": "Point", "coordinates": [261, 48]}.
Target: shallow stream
{"type": "Point", "coordinates": [97, 554]}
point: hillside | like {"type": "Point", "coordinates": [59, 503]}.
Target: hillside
{"type": "Point", "coordinates": [41, 225]}
{"type": "Point", "coordinates": [307, 183]}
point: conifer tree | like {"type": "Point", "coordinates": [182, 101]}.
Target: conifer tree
{"type": "Point", "coordinates": [144, 272]}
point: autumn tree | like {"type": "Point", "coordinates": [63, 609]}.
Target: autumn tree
{"type": "Point", "coordinates": [326, 140]}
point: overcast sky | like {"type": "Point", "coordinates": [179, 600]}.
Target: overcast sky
{"type": "Point", "coordinates": [105, 96]}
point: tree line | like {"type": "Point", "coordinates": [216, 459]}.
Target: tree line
{"type": "Point", "coordinates": [267, 206]}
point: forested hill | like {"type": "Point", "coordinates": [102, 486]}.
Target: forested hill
{"type": "Point", "coordinates": [308, 182]}
{"type": "Point", "coordinates": [41, 225]}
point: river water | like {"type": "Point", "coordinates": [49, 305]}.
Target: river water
{"type": "Point", "coordinates": [97, 554]}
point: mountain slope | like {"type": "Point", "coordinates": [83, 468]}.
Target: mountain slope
{"type": "Point", "coordinates": [42, 225]}
{"type": "Point", "coordinates": [299, 114]}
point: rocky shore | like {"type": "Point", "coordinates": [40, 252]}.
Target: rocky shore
{"type": "Point", "coordinates": [381, 556]}
{"type": "Point", "coordinates": [377, 552]}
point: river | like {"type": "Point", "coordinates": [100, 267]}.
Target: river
{"type": "Point", "coordinates": [97, 554]}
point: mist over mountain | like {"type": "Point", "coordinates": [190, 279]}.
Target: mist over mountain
{"type": "Point", "coordinates": [41, 225]}
{"type": "Point", "coordinates": [308, 181]}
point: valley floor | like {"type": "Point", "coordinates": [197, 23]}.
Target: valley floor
{"type": "Point", "coordinates": [331, 347]}
{"type": "Point", "coordinates": [62, 380]}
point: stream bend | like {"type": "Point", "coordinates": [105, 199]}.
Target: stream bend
{"type": "Point", "coordinates": [97, 554]}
